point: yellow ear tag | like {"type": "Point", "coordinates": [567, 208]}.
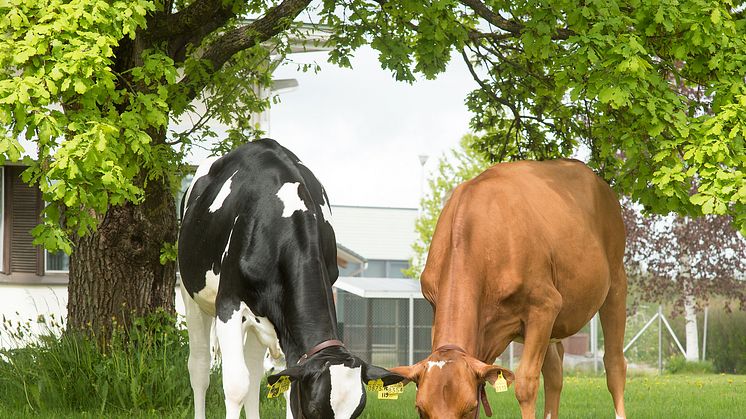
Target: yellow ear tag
{"type": "Point", "coordinates": [280, 386]}
{"type": "Point", "coordinates": [391, 392]}
{"type": "Point", "coordinates": [375, 385]}
{"type": "Point", "coordinates": [501, 385]}
{"type": "Point", "coordinates": [387, 395]}
{"type": "Point", "coordinates": [397, 388]}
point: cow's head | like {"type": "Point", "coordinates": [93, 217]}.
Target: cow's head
{"type": "Point", "coordinates": [454, 373]}
{"type": "Point", "coordinates": [331, 384]}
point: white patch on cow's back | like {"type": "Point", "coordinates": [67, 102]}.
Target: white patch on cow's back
{"type": "Point", "coordinates": [205, 298]}
{"type": "Point", "coordinates": [290, 197]}
{"type": "Point", "coordinates": [326, 209]}
{"type": "Point", "coordinates": [225, 252]}
{"type": "Point", "coordinates": [439, 364]}
{"type": "Point", "coordinates": [223, 193]}
{"type": "Point", "coordinates": [347, 390]}
{"type": "Point", "coordinates": [202, 170]}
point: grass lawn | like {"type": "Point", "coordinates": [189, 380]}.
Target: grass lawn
{"type": "Point", "coordinates": [669, 396]}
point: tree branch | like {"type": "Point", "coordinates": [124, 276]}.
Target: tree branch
{"type": "Point", "coordinates": [189, 20]}
{"type": "Point", "coordinates": [189, 26]}
{"type": "Point", "coordinates": [272, 23]}
{"type": "Point", "coordinates": [513, 27]}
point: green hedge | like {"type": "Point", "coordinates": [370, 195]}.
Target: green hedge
{"type": "Point", "coordinates": [726, 341]}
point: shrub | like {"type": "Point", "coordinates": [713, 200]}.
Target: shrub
{"type": "Point", "coordinates": [679, 365]}
{"type": "Point", "coordinates": [726, 343]}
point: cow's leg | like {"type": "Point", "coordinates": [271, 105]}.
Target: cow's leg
{"type": "Point", "coordinates": [538, 330]}
{"type": "Point", "coordinates": [613, 316]}
{"type": "Point", "coordinates": [552, 372]}
{"type": "Point", "coordinates": [254, 357]}
{"type": "Point", "coordinates": [198, 325]}
{"type": "Point", "coordinates": [288, 410]}
{"type": "Point", "coordinates": [236, 379]}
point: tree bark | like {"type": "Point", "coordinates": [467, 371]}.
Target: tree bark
{"type": "Point", "coordinates": [692, 336]}
{"type": "Point", "coordinates": [115, 272]}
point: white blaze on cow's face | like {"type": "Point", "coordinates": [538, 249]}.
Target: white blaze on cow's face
{"type": "Point", "coordinates": [290, 198]}
{"type": "Point", "coordinates": [346, 390]}
{"type": "Point", "coordinates": [439, 364]}
{"type": "Point", "coordinates": [223, 193]}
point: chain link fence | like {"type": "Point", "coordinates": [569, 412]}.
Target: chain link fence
{"type": "Point", "coordinates": [379, 331]}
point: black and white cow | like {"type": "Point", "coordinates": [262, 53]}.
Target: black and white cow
{"type": "Point", "coordinates": [257, 255]}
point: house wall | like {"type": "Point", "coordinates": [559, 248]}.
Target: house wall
{"type": "Point", "coordinates": [24, 305]}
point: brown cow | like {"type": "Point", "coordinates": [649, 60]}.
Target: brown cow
{"type": "Point", "coordinates": [526, 252]}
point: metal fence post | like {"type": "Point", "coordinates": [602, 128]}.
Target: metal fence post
{"type": "Point", "coordinates": [704, 335]}
{"type": "Point", "coordinates": [411, 330]}
{"type": "Point", "coordinates": [594, 342]}
{"type": "Point", "coordinates": [510, 360]}
{"type": "Point", "coordinates": [660, 339]}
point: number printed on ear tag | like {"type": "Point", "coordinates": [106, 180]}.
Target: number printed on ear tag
{"type": "Point", "coordinates": [387, 395]}
{"type": "Point", "coordinates": [375, 385]}
{"type": "Point", "coordinates": [280, 386]}
{"type": "Point", "coordinates": [397, 388]}
{"type": "Point", "coordinates": [501, 384]}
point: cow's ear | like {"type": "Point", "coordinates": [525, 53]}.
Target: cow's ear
{"type": "Point", "coordinates": [491, 373]}
{"type": "Point", "coordinates": [373, 372]}
{"type": "Point", "coordinates": [409, 372]}
{"type": "Point", "coordinates": [293, 373]}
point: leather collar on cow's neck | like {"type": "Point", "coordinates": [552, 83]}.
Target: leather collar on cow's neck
{"type": "Point", "coordinates": [311, 352]}
{"type": "Point", "coordinates": [481, 393]}
{"type": "Point", "coordinates": [318, 348]}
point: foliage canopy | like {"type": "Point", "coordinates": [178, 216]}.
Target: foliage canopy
{"type": "Point", "coordinates": [95, 84]}
{"type": "Point", "coordinates": [613, 78]}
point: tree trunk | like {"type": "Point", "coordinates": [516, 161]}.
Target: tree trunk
{"type": "Point", "coordinates": [692, 337]}
{"type": "Point", "coordinates": [115, 272]}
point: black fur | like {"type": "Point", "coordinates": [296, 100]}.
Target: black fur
{"type": "Point", "coordinates": [281, 267]}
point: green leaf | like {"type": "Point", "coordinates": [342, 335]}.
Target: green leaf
{"type": "Point", "coordinates": [80, 86]}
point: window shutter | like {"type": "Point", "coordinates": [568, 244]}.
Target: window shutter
{"type": "Point", "coordinates": [24, 205]}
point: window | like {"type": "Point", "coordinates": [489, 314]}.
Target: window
{"type": "Point", "coordinates": [352, 269]}
{"type": "Point", "coordinates": [376, 269]}
{"type": "Point", "coordinates": [57, 262]}
{"type": "Point", "coordinates": [395, 268]}
{"type": "Point", "coordinates": [386, 268]}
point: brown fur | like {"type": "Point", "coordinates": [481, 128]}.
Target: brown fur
{"type": "Point", "coordinates": [525, 251]}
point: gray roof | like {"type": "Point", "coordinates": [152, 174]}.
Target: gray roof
{"type": "Point", "coordinates": [380, 287]}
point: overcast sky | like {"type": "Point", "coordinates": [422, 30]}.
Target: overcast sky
{"type": "Point", "coordinates": [361, 132]}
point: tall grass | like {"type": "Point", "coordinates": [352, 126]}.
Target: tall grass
{"type": "Point", "coordinates": [143, 369]}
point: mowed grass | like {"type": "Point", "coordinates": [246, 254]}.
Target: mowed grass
{"type": "Point", "coordinates": [668, 396]}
